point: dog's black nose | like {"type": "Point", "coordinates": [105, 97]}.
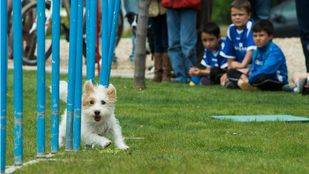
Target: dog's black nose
{"type": "Point", "coordinates": [97, 112]}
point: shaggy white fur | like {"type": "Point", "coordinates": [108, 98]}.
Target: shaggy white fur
{"type": "Point", "coordinates": [97, 117]}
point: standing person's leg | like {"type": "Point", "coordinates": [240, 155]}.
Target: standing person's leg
{"type": "Point", "coordinates": [302, 7]}
{"type": "Point", "coordinates": [174, 47]}
{"type": "Point", "coordinates": [188, 38]}
{"type": "Point", "coordinates": [203, 17]}
{"type": "Point", "coordinates": [166, 66]}
{"type": "Point", "coordinates": [155, 28]}
{"type": "Point", "coordinates": [133, 24]}
{"type": "Point", "coordinates": [131, 9]}
{"type": "Point", "coordinates": [167, 74]}
{"type": "Point", "coordinates": [133, 40]}
{"type": "Point", "coordinates": [206, 11]}
{"type": "Point", "coordinates": [261, 9]}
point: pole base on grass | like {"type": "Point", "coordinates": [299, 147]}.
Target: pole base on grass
{"type": "Point", "coordinates": [41, 155]}
{"type": "Point", "coordinates": [18, 164]}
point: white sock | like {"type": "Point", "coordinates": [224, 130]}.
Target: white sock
{"type": "Point", "coordinates": [297, 87]}
{"type": "Point", "coordinates": [296, 90]}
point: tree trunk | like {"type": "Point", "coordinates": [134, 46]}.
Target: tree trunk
{"type": "Point", "coordinates": [140, 49]}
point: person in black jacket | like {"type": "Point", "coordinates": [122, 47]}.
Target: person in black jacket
{"type": "Point", "coordinates": [302, 7]}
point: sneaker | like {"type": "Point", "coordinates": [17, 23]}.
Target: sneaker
{"type": "Point", "coordinates": [289, 88]}
{"type": "Point", "coordinates": [300, 85]}
{"type": "Point", "coordinates": [192, 84]}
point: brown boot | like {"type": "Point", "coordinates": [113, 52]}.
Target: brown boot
{"type": "Point", "coordinates": [158, 67]}
{"type": "Point", "coordinates": [166, 76]}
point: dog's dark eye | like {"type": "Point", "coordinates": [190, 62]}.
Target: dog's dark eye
{"type": "Point", "coordinates": [103, 102]}
{"type": "Point", "coordinates": [91, 102]}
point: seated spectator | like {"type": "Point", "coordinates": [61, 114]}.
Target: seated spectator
{"type": "Point", "coordinates": [239, 44]}
{"type": "Point", "coordinates": [268, 71]}
{"type": "Point", "coordinates": [214, 65]}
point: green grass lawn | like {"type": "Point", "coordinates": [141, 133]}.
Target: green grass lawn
{"type": "Point", "coordinates": [177, 134]}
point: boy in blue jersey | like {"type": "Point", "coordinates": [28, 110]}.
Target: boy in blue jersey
{"type": "Point", "coordinates": [239, 43]}
{"type": "Point", "coordinates": [213, 65]}
{"type": "Point", "coordinates": [269, 70]}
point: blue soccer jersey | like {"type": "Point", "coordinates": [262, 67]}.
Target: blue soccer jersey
{"type": "Point", "coordinates": [213, 59]}
{"type": "Point", "coordinates": [238, 42]}
{"type": "Point", "coordinates": [270, 61]}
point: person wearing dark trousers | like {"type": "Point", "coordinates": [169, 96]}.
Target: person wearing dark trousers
{"type": "Point", "coordinates": [158, 28]}
{"type": "Point", "coordinates": [268, 70]}
{"type": "Point", "coordinates": [302, 9]}
{"type": "Point", "coordinates": [203, 17]}
{"type": "Point", "coordinates": [260, 9]}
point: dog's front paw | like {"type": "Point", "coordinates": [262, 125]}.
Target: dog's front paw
{"type": "Point", "coordinates": [123, 147]}
{"type": "Point", "coordinates": [105, 144]}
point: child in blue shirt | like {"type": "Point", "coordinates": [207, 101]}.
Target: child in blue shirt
{"type": "Point", "coordinates": [269, 70]}
{"type": "Point", "coordinates": [213, 64]}
{"type": "Point", "coordinates": [239, 43]}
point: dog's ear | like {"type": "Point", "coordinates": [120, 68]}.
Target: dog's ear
{"type": "Point", "coordinates": [111, 92]}
{"type": "Point", "coordinates": [88, 87]}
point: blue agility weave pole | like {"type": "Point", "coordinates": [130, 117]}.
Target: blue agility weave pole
{"type": "Point", "coordinates": [110, 9]}
{"type": "Point", "coordinates": [78, 77]}
{"type": "Point", "coordinates": [3, 82]}
{"type": "Point", "coordinates": [18, 83]}
{"type": "Point", "coordinates": [55, 75]}
{"type": "Point", "coordinates": [112, 43]}
{"type": "Point", "coordinates": [105, 41]}
{"type": "Point", "coordinates": [110, 15]}
{"type": "Point", "coordinates": [41, 78]}
{"type": "Point", "coordinates": [71, 76]}
{"type": "Point", "coordinates": [91, 29]}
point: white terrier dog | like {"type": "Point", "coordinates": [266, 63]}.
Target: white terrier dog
{"type": "Point", "coordinates": [97, 117]}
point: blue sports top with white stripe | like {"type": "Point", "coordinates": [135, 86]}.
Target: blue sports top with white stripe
{"type": "Point", "coordinates": [212, 59]}
{"type": "Point", "coordinates": [238, 42]}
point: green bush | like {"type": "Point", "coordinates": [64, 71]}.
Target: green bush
{"type": "Point", "coordinates": [221, 11]}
